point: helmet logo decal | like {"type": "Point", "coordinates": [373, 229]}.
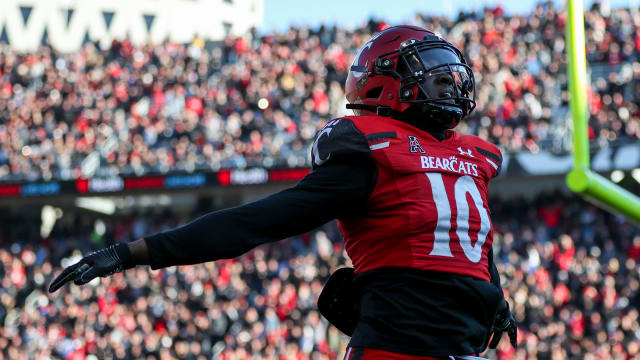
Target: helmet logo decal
{"type": "Point", "coordinates": [357, 58]}
{"type": "Point", "coordinates": [414, 145]}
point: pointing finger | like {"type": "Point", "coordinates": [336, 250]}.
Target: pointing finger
{"type": "Point", "coordinates": [67, 275]}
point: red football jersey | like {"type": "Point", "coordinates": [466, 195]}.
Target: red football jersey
{"type": "Point", "coordinates": [429, 208]}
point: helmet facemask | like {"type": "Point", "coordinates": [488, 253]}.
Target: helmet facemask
{"type": "Point", "coordinates": [435, 78]}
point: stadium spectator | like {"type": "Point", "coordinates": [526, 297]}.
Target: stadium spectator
{"type": "Point", "coordinates": [263, 303]}
{"type": "Point", "coordinates": [173, 107]}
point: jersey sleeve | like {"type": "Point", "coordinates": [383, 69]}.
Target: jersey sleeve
{"type": "Point", "coordinates": [493, 271]}
{"type": "Point", "coordinates": [330, 192]}
{"type": "Point", "coordinates": [340, 138]}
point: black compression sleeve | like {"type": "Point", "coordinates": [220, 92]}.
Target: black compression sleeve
{"type": "Point", "coordinates": [328, 192]}
{"type": "Point", "coordinates": [493, 271]}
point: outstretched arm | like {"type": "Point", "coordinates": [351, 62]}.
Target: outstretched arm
{"type": "Point", "coordinates": [326, 193]}
{"type": "Point", "coordinates": [336, 189]}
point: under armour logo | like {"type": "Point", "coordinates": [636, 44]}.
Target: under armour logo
{"type": "Point", "coordinates": [467, 152]}
{"type": "Point", "coordinates": [415, 145]}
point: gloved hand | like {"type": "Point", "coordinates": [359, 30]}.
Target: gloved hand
{"type": "Point", "coordinates": [104, 262]}
{"type": "Point", "coordinates": [504, 321]}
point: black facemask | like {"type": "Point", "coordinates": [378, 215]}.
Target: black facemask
{"type": "Point", "coordinates": [434, 79]}
{"type": "Point", "coordinates": [444, 83]}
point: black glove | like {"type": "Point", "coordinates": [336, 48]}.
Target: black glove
{"type": "Point", "coordinates": [104, 262]}
{"type": "Point", "coordinates": [504, 321]}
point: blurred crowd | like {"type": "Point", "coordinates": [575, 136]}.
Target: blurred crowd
{"type": "Point", "coordinates": [262, 305]}
{"type": "Point", "coordinates": [258, 101]}
{"type": "Point", "coordinates": [570, 271]}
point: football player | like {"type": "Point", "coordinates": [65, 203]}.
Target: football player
{"type": "Point", "coordinates": [411, 198]}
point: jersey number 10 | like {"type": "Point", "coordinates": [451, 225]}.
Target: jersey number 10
{"type": "Point", "coordinates": [464, 185]}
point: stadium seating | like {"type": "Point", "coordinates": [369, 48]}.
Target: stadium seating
{"type": "Point", "coordinates": [173, 107]}
{"type": "Point", "coordinates": [570, 269]}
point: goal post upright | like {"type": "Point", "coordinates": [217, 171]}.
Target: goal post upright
{"type": "Point", "coordinates": [581, 179]}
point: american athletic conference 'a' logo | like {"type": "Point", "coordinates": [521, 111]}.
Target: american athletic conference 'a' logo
{"type": "Point", "coordinates": [414, 145]}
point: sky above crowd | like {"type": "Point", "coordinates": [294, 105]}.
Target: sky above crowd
{"type": "Point", "coordinates": [280, 14]}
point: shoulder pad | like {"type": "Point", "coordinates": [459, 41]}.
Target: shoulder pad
{"type": "Point", "coordinates": [492, 155]}
{"type": "Point", "coordinates": [340, 137]}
